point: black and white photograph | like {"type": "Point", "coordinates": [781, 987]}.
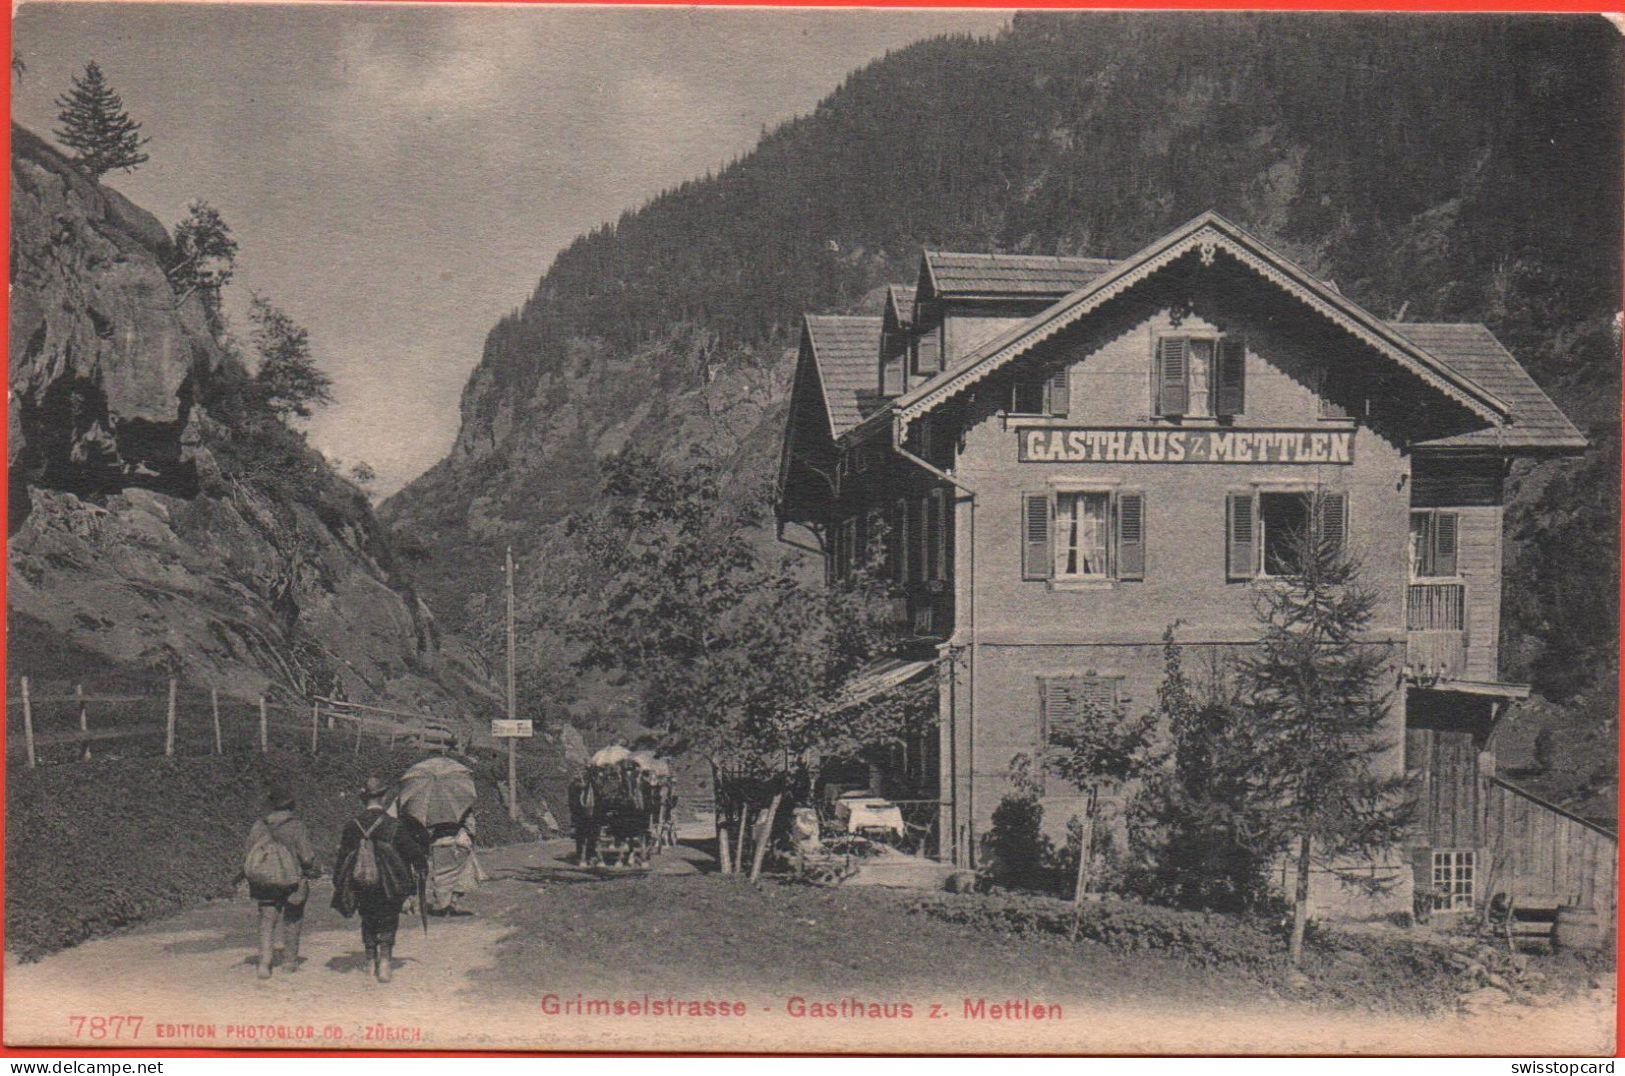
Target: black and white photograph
{"type": "Point", "coordinates": [812, 530]}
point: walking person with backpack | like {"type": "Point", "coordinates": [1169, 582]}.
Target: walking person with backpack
{"type": "Point", "coordinates": [279, 866]}
{"type": "Point", "coordinates": [381, 859]}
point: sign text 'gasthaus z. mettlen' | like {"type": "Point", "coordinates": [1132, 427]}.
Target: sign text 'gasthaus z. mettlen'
{"type": "Point", "coordinates": [1066, 455]}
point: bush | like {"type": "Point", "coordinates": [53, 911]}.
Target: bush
{"type": "Point", "coordinates": [94, 847]}
{"type": "Point", "coordinates": [1369, 970]}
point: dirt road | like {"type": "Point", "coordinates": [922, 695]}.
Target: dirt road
{"type": "Point", "coordinates": [682, 958]}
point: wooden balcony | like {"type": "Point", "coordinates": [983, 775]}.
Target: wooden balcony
{"type": "Point", "coordinates": [1436, 631]}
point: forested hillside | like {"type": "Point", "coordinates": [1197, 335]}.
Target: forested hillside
{"type": "Point", "coordinates": [1436, 168]}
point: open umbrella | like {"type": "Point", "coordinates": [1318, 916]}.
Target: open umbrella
{"type": "Point", "coordinates": [437, 790]}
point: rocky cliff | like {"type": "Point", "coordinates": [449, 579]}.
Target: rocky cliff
{"type": "Point", "coordinates": [158, 521]}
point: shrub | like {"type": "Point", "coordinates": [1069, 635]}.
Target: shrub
{"type": "Point", "coordinates": [1370, 970]}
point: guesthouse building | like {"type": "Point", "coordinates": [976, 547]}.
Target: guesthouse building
{"type": "Point", "coordinates": [1054, 460]}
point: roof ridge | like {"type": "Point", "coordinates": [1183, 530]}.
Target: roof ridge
{"type": "Point", "coordinates": [1443, 324]}
{"type": "Point", "coordinates": [991, 254]}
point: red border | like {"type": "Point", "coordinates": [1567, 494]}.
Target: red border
{"type": "Point", "coordinates": [1474, 6]}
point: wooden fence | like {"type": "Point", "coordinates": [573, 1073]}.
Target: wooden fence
{"type": "Point", "coordinates": [62, 724]}
{"type": "Point", "coordinates": [1538, 850]}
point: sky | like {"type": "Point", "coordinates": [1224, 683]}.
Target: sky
{"type": "Point", "coordinates": [400, 176]}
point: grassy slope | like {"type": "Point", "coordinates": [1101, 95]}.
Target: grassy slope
{"type": "Point", "coordinates": [97, 846]}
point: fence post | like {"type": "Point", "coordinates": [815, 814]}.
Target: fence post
{"type": "Point", "coordinates": [315, 726]}
{"type": "Point", "coordinates": [28, 724]}
{"type": "Point", "coordinates": [84, 723]}
{"type": "Point", "coordinates": [169, 724]}
{"type": "Point", "coordinates": [265, 738]}
{"type": "Point", "coordinates": [214, 710]}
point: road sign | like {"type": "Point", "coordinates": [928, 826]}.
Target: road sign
{"type": "Point", "coordinates": [519, 728]}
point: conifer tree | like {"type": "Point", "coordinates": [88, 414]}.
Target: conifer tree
{"type": "Point", "coordinates": [1317, 691]}
{"type": "Point", "coordinates": [288, 375]}
{"type": "Point", "coordinates": [205, 257]}
{"type": "Point", "coordinates": [96, 127]}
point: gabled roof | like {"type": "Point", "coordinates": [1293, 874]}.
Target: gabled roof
{"type": "Point", "coordinates": [950, 274]}
{"type": "Point", "coordinates": [1474, 352]}
{"type": "Point", "coordinates": [845, 351]}
{"type": "Point", "coordinates": [1204, 237]}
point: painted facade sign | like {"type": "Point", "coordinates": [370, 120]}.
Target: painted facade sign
{"type": "Point", "coordinates": [1126, 445]}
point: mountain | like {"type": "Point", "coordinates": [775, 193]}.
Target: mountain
{"type": "Point", "coordinates": [1437, 168]}
{"type": "Point", "coordinates": [160, 521]}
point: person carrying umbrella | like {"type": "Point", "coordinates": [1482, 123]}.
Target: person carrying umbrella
{"type": "Point", "coordinates": [439, 793]}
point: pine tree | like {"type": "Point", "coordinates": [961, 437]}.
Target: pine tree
{"type": "Point", "coordinates": [205, 257]}
{"type": "Point", "coordinates": [1209, 822]}
{"type": "Point", "coordinates": [288, 375]}
{"type": "Point", "coordinates": [1316, 690]}
{"type": "Point", "coordinates": [96, 127]}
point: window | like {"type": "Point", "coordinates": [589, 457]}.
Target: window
{"type": "Point", "coordinates": [1052, 396]}
{"type": "Point", "coordinates": [1454, 880]}
{"type": "Point", "coordinates": [845, 545]}
{"type": "Point", "coordinates": [1283, 520]}
{"type": "Point", "coordinates": [1338, 393]}
{"type": "Point", "coordinates": [1083, 534]}
{"type": "Point", "coordinates": [1262, 527]}
{"type": "Point", "coordinates": [1080, 535]}
{"type": "Point", "coordinates": [1433, 543]}
{"type": "Point", "coordinates": [1064, 701]}
{"type": "Point", "coordinates": [1199, 375]}
{"type": "Point", "coordinates": [861, 458]}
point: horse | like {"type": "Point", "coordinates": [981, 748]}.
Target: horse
{"type": "Point", "coordinates": [609, 812]}
{"type": "Point", "coordinates": [584, 825]}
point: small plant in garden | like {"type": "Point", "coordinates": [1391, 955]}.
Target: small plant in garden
{"type": "Point", "coordinates": [1099, 749]}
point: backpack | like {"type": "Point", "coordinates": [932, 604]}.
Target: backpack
{"type": "Point", "coordinates": [365, 874]}
{"type": "Point", "coordinates": [271, 863]}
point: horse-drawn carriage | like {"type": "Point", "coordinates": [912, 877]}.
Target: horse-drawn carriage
{"type": "Point", "coordinates": [621, 808]}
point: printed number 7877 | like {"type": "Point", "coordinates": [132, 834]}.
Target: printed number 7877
{"type": "Point", "coordinates": [106, 1027]}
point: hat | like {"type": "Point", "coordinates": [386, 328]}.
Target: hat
{"type": "Point", "coordinates": [373, 787]}
{"type": "Point", "coordinates": [279, 797]}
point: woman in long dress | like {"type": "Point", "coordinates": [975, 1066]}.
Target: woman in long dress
{"type": "Point", "coordinates": [454, 868]}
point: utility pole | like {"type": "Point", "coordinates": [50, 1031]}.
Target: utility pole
{"type": "Point", "coordinates": [513, 715]}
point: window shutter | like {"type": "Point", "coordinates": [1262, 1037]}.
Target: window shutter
{"type": "Point", "coordinates": [1131, 535]}
{"type": "Point", "coordinates": [929, 351]}
{"type": "Point", "coordinates": [922, 526]}
{"type": "Point", "coordinates": [1059, 393]}
{"type": "Point", "coordinates": [1037, 561]}
{"type": "Point", "coordinates": [1173, 375]}
{"type": "Point", "coordinates": [1230, 381]}
{"type": "Point", "coordinates": [1058, 708]}
{"type": "Point", "coordinates": [915, 519]}
{"type": "Point", "coordinates": [899, 540]}
{"type": "Point", "coordinates": [939, 508]}
{"type": "Point", "coordinates": [1242, 543]}
{"type": "Point", "coordinates": [1446, 532]}
{"type": "Point", "coordinates": [1332, 520]}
